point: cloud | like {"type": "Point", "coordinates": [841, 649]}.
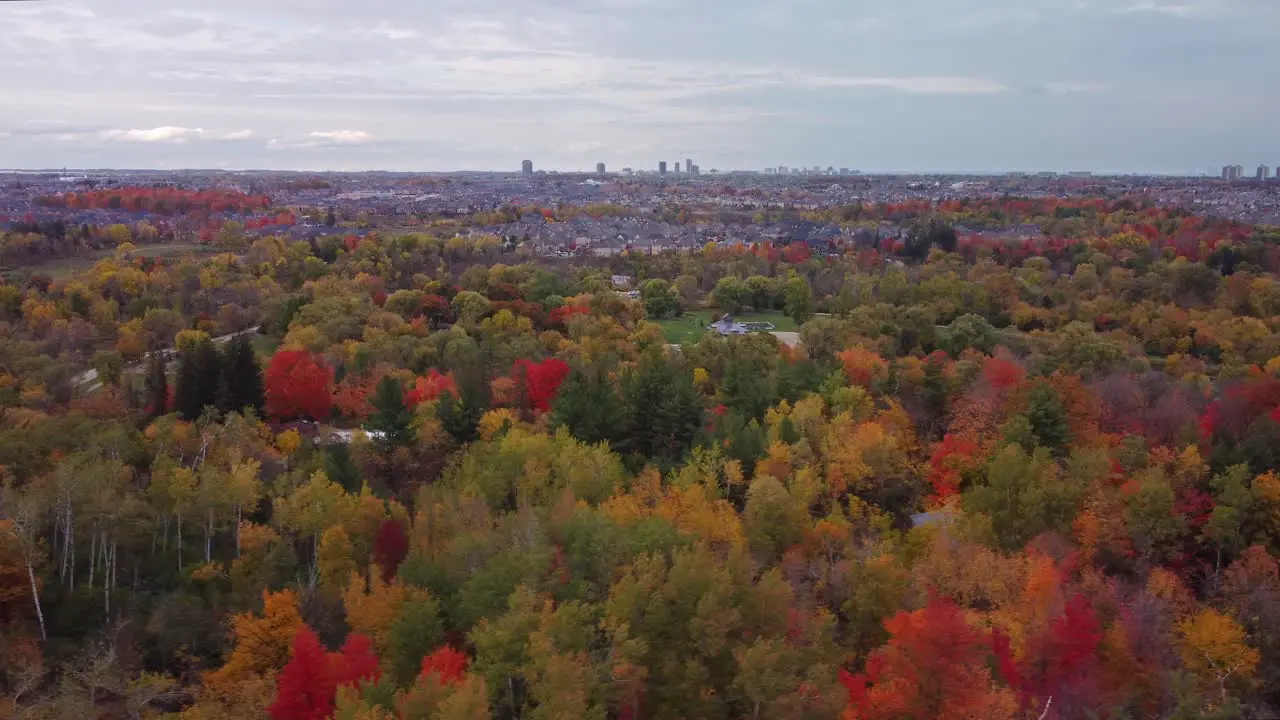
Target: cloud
{"type": "Point", "coordinates": [341, 136]}
{"type": "Point", "coordinates": [240, 135]}
{"type": "Point", "coordinates": [912, 85]}
{"type": "Point", "coordinates": [165, 134]}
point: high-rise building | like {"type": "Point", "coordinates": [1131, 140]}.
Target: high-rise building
{"type": "Point", "coordinates": [688, 165]}
{"type": "Point", "coordinates": [782, 169]}
{"type": "Point", "coordinates": [844, 171]}
{"type": "Point", "coordinates": [526, 167]}
{"type": "Point", "coordinates": [1226, 172]}
{"type": "Point", "coordinates": [677, 167]}
{"type": "Point", "coordinates": [662, 167]}
{"type": "Point", "coordinates": [1263, 172]}
{"type": "Point", "coordinates": [1237, 172]}
{"type": "Point", "coordinates": [599, 168]}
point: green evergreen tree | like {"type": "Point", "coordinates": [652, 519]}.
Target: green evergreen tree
{"type": "Point", "coordinates": [199, 374]}
{"type": "Point", "coordinates": [157, 385]}
{"type": "Point", "coordinates": [391, 417]}
{"type": "Point", "coordinates": [589, 407]}
{"type": "Point", "coordinates": [664, 412]}
{"type": "Point", "coordinates": [1048, 419]}
{"type": "Point", "coordinates": [241, 377]}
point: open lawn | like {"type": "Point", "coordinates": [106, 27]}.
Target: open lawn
{"type": "Point", "coordinates": [693, 326]}
{"type": "Point", "coordinates": [63, 268]}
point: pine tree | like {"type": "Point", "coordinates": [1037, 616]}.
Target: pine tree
{"type": "Point", "coordinates": [589, 407]}
{"type": "Point", "coordinates": [391, 418]}
{"type": "Point", "coordinates": [157, 384]}
{"type": "Point", "coordinates": [241, 384]}
{"type": "Point", "coordinates": [1048, 418]}
{"type": "Point", "coordinates": [199, 374]}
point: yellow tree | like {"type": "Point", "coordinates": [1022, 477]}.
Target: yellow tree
{"type": "Point", "coordinates": [261, 643]}
{"type": "Point", "coordinates": [1213, 648]}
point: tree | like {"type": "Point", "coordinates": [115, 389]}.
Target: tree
{"type": "Point", "coordinates": [157, 386]}
{"type": "Point", "coordinates": [261, 644]}
{"type": "Point", "coordinates": [390, 418]}
{"type": "Point", "coordinates": [1214, 650]}
{"type": "Point", "coordinates": [414, 631]}
{"type": "Point", "coordinates": [799, 298]}
{"type": "Point", "coordinates": [1048, 418]}
{"type": "Point", "coordinates": [298, 385]}
{"type": "Point", "coordinates": [242, 377]}
{"type": "Point", "coordinates": [305, 687]}
{"type": "Point", "coordinates": [540, 381]}
{"type": "Point", "coordinates": [660, 299]}
{"type": "Point", "coordinates": [390, 546]}
{"type": "Point", "coordinates": [588, 405]}
{"type": "Point", "coordinates": [933, 666]}
{"type": "Point", "coordinates": [1024, 495]}
{"type": "Point", "coordinates": [199, 376]}
{"type": "Point", "coordinates": [730, 294]}
{"type": "Point", "coordinates": [662, 407]}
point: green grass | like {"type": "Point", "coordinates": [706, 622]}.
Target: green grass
{"type": "Point", "coordinates": [63, 268]}
{"type": "Point", "coordinates": [693, 326]}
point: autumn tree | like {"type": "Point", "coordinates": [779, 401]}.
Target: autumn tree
{"type": "Point", "coordinates": [297, 385]}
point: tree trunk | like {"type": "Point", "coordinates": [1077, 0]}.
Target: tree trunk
{"type": "Point", "coordinates": [93, 556]}
{"type": "Point", "coordinates": [35, 596]}
{"type": "Point", "coordinates": [208, 537]}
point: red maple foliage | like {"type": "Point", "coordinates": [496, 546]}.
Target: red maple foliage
{"type": "Point", "coordinates": [559, 317]}
{"type": "Point", "coordinates": [429, 387]}
{"type": "Point", "coordinates": [356, 662]}
{"type": "Point", "coordinates": [950, 460]}
{"type": "Point", "coordinates": [1062, 663]}
{"type": "Point", "coordinates": [933, 666]}
{"type": "Point", "coordinates": [447, 664]}
{"type": "Point", "coordinates": [1003, 374]}
{"type": "Point", "coordinates": [298, 385]}
{"type": "Point", "coordinates": [390, 546]}
{"type": "Point", "coordinates": [306, 685]}
{"type": "Point", "coordinates": [541, 381]}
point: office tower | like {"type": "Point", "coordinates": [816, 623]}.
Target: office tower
{"type": "Point", "coordinates": [677, 167]}
{"type": "Point", "coordinates": [526, 167]}
{"type": "Point", "coordinates": [1226, 172]}
{"type": "Point", "coordinates": [599, 168]}
{"type": "Point", "coordinates": [1263, 172]}
{"type": "Point", "coordinates": [662, 167]}
{"type": "Point", "coordinates": [688, 165]}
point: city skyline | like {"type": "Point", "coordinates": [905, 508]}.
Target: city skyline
{"type": "Point", "coordinates": [1141, 86]}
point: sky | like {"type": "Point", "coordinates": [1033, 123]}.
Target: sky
{"type": "Point", "coordinates": [1166, 86]}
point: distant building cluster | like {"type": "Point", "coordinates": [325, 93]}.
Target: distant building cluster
{"type": "Point", "coordinates": [1236, 172]}
{"type": "Point", "coordinates": [815, 170]}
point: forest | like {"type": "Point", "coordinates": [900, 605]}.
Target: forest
{"type": "Point", "coordinates": [410, 476]}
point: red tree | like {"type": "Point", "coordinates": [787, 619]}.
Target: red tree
{"type": "Point", "coordinates": [356, 662]}
{"type": "Point", "coordinates": [933, 666]}
{"type": "Point", "coordinates": [428, 388]}
{"type": "Point", "coordinates": [1061, 662]}
{"type": "Point", "coordinates": [306, 685]}
{"type": "Point", "coordinates": [390, 546]}
{"type": "Point", "coordinates": [541, 381]}
{"type": "Point", "coordinates": [447, 664]}
{"type": "Point", "coordinates": [298, 385]}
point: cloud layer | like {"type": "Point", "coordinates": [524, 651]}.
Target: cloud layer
{"type": "Point", "coordinates": [1143, 85]}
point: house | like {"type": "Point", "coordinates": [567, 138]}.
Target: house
{"type": "Point", "coordinates": [727, 326]}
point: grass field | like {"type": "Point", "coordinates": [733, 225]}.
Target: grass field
{"type": "Point", "coordinates": [62, 268]}
{"type": "Point", "coordinates": [693, 326]}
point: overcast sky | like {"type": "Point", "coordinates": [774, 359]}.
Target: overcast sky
{"type": "Point", "coordinates": [1109, 85]}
